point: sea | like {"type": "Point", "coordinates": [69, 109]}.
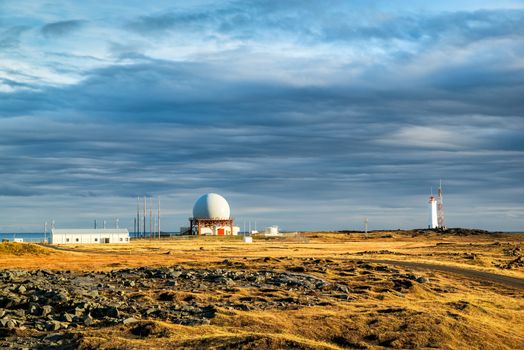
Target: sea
{"type": "Point", "coordinates": [33, 237]}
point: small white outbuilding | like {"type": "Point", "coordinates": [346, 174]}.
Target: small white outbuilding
{"type": "Point", "coordinates": [89, 236]}
{"type": "Point", "coordinates": [271, 231]}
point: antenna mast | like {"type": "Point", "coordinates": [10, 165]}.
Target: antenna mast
{"type": "Point", "coordinates": [150, 216]}
{"type": "Point", "coordinates": [145, 203]}
{"type": "Point", "coordinates": [158, 217]}
{"type": "Point", "coordinates": [137, 219]}
{"type": "Point", "coordinates": [440, 207]}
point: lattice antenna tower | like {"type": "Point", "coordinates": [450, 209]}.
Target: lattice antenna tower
{"type": "Point", "coordinates": [440, 207]}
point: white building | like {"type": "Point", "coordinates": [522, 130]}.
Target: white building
{"type": "Point", "coordinates": [272, 231]}
{"type": "Point", "coordinates": [89, 236]}
{"type": "Point", "coordinates": [213, 231]}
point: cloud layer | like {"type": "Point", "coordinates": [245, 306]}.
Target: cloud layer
{"type": "Point", "coordinates": [304, 114]}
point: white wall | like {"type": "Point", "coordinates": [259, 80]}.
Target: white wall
{"type": "Point", "coordinates": [87, 238]}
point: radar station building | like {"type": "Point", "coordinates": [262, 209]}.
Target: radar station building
{"type": "Point", "coordinates": [89, 236]}
{"type": "Point", "coordinates": [211, 216]}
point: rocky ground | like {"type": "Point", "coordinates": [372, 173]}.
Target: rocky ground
{"type": "Point", "coordinates": [44, 309]}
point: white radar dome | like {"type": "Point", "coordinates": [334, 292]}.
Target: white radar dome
{"type": "Point", "coordinates": [211, 206]}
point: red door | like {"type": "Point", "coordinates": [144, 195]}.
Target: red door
{"type": "Point", "coordinates": [220, 231]}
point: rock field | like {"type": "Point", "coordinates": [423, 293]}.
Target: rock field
{"type": "Point", "coordinates": [44, 309]}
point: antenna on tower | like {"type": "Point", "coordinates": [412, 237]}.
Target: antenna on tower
{"type": "Point", "coordinates": [366, 225]}
{"type": "Point", "coordinates": [440, 207]}
{"type": "Point", "coordinates": [117, 223]}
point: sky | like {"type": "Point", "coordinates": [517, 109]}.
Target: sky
{"type": "Point", "coordinates": [310, 115]}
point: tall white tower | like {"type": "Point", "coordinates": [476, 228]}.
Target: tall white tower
{"type": "Point", "coordinates": [433, 217]}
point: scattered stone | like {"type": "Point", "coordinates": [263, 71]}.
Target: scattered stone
{"type": "Point", "coordinates": [129, 283]}
{"type": "Point", "coordinates": [167, 296]}
{"type": "Point", "coordinates": [171, 283]}
{"type": "Point", "coordinates": [513, 264]}
{"type": "Point", "coordinates": [422, 279]}
{"type": "Point", "coordinates": [67, 317]}
{"type": "Point", "coordinates": [57, 301]}
{"type": "Point", "coordinates": [46, 310]}
{"type": "Point", "coordinates": [130, 320]}
{"type": "Point", "coordinates": [149, 329]}
{"type": "Point", "coordinates": [53, 326]}
{"type": "Point", "coordinates": [88, 320]}
{"type": "Point", "coordinates": [342, 288]}
{"type": "Point", "coordinates": [512, 251]}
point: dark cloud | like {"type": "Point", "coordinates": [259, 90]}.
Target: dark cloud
{"type": "Point", "coordinates": [196, 129]}
{"type": "Point", "coordinates": [62, 28]}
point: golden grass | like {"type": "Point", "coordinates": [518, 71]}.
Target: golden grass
{"type": "Point", "coordinates": [437, 249]}
{"type": "Point", "coordinates": [22, 249]}
{"type": "Point", "coordinates": [450, 312]}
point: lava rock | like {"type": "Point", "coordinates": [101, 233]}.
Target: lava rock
{"type": "Point", "coordinates": [53, 326]}
{"type": "Point", "coordinates": [130, 320]}
{"type": "Point", "coordinates": [88, 320]}
{"type": "Point", "coordinates": [422, 279]}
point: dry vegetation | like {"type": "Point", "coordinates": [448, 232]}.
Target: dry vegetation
{"type": "Point", "coordinates": [20, 249]}
{"type": "Point", "coordinates": [378, 306]}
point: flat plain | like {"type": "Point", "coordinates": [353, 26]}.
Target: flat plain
{"type": "Point", "coordinates": [389, 289]}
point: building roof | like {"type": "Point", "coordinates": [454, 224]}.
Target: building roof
{"type": "Point", "coordinates": [80, 231]}
{"type": "Point", "coordinates": [211, 206]}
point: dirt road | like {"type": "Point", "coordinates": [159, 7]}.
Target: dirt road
{"type": "Point", "coordinates": [509, 281]}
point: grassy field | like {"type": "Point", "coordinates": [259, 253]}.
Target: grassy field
{"type": "Point", "coordinates": [448, 311]}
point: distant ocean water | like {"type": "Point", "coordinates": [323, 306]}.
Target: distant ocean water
{"type": "Point", "coordinates": [26, 236]}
